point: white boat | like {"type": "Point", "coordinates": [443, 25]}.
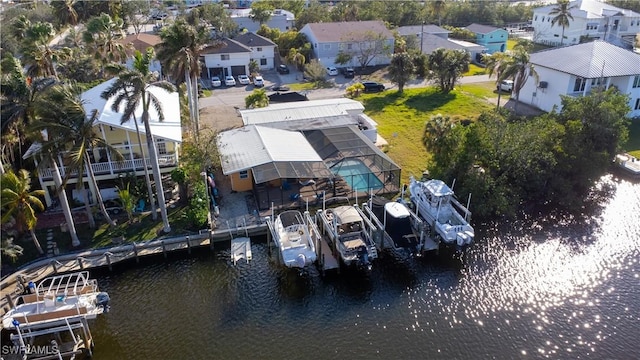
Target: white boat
{"type": "Point", "coordinates": [435, 203]}
{"type": "Point", "coordinates": [352, 240]}
{"type": "Point", "coordinates": [628, 163]}
{"type": "Point", "coordinates": [295, 238]}
{"type": "Point", "coordinates": [57, 299]}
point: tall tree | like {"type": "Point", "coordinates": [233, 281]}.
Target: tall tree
{"type": "Point", "coordinates": [179, 53]}
{"type": "Point", "coordinates": [104, 36]}
{"type": "Point", "coordinates": [437, 8]}
{"type": "Point", "coordinates": [65, 11]}
{"type": "Point", "coordinates": [495, 64]}
{"type": "Point", "coordinates": [447, 66]}
{"type": "Point", "coordinates": [261, 11]}
{"type": "Point", "coordinates": [132, 89]}
{"type": "Point", "coordinates": [518, 67]}
{"type": "Point", "coordinates": [38, 55]}
{"type": "Point", "coordinates": [20, 202]}
{"type": "Point", "coordinates": [401, 70]}
{"type": "Point", "coordinates": [257, 99]}
{"type": "Point", "coordinates": [562, 12]}
{"type": "Point", "coordinates": [74, 131]}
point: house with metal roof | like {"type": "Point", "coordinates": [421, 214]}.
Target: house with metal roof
{"type": "Point", "coordinates": [591, 19]}
{"type": "Point", "coordinates": [263, 50]}
{"type": "Point", "coordinates": [493, 38]}
{"type": "Point", "coordinates": [123, 137]}
{"type": "Point", "coordinates": [368, 42]}
{"type": "Point", "coordinates": [576, 70]}
{"type": "Point", "coordinates": [281, 150]}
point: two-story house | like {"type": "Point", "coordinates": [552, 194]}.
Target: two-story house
{"type": "Point", "coordinates": [263, 50]}
{"type": "Point", "coordinates": [141, 42]}
{"type": "Point", "coordinates": [123, 136]}
{"type": "Point", "coordinates": [226, 57]}
{"type": "Point", "coordinates": [576, 70]}
{"type": "Point", "coordinates": [368, 42]}
{"type": "Point", "coordinates": [280, 19]}
{"type": "Point", "coordinates": [492, 38]}
{"type": "Point", "coordinates": [427, 38]}
{"type": "Point", "coordinates": [591, 19]}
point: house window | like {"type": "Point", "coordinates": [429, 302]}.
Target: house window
{"type": "Point", "coordinates": [592, 26]}
{"type": "Point", "coordinates": [327, 47]}
{"type": "Point", "coordinates": [259, 49]}
{"type": "Point", "coordinates": [349, 46]}
{"type": "Point", "coordinates": [598, 81]}
{"type": "Point", "coordinates": [263, 61]}
{"type": "Point", "coordinates": [244, 174]}
{"type": "Point", "coordinates": [636, 81]}
{"type": "Point", "coordinates": [579, 85]}
{"type": "Point", "coordinates": [162, 146]}
{"type": "Point", "coordinates": [224, 57]}
{"type": "Point", "coordinates": [535, 18]}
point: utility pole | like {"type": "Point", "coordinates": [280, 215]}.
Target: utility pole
{"type": "Point", "coordinates": [421, 36]}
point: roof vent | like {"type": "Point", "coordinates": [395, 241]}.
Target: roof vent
{"type": "Point", "coordinates": [543, 85]}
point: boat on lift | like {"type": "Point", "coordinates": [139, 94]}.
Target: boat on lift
{"type": "Point", "coordinates": [436, 204]}
{"type": "Point", "coordinates": [397, 222]}
{"type": "Point", "coordinates": [350, 235]}
{"type": "Point", "coordinates": [295, 236]}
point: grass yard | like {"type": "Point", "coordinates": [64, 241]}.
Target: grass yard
{"type": "Point", "coordinates": [401, 118]}
{"type": "Point", "coordinates": [633, 145]}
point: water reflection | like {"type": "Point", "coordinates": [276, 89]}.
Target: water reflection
{"type": "Point", "coordinates": [559, 287]}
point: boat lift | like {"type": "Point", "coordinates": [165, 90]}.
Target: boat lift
{"type": "Point", "coordinates": [240, 246]}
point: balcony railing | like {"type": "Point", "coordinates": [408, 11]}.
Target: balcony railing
{"type": "Point", "coordinates": [116, 167]}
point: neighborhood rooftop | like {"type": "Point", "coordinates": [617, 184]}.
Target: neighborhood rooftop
{"type": "Point", "coordinates": [300, 110]}
{"type": "Point", "coordinates": [590, 60]}
{"type": "Point", "coordinates": [250, 39]}
{"type": "Point", "coordinates": [348, 31]}
{"type": "Point", "coordinates": [481, 29]}
{"type": "Point", "coordinates": [592, 9]}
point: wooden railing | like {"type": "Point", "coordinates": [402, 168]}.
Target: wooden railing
{"type": "Point", "coordinates": [115, 167]}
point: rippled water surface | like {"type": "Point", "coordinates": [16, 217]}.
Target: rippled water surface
{"type": "Point", "coordinates": [553, 288]}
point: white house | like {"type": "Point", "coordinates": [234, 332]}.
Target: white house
{"type": "Point", "coordinates": [280, 19]}
{"type": "Point", "coordinates": [575, 70]}
{"type": "Point", "coordinates": [591, 18]}
{"type": "Point", "coordinates": [123, 137]}
{"type": "Point", "coordinates": [228, 58]}
{"type": "Point", "coordinates": [364, 40]}
{"type": "Point", "coordinates": [263, 50]}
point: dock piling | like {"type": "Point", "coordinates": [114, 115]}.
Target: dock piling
{"type": "Point", "coordinates": [108, 256]}
{"type": "Point", "coordinates": [79, 259]}
{"type": "Point", "coordinates": [135, 252]}
{"type": "Point", "coordinates": [164, 249]}
{"type": "Point", "coordinates": [55, 267]}
{"type": "Point", "coordinates": [188, 245]}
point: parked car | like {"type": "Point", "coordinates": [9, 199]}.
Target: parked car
{"type": "Point", "coordinates": [258, 81]}
{"type": "Point", "coordinates": [506, 85]}
{"type": "Point", "coordinates": [229, 81]}
{"type": "Point", "coordinates": [332, 71]}
{"type": "Point", "coordinates": [280, 88]}
{"type": "Point", "coordinates": [113, 206]}
{"type": "Point", "coordinates": [349, 73]}
{"type": "Point", "coordinates": [215, 81]}
{"type": "Point", "coordinates": [244, 79]}
{"type": "Point", "coordinates": [372, 86]}
{"type": "Point", "coordinates": [283, 69]}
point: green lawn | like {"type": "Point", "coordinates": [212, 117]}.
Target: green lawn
{"type": "Point", "coordinates": [633, 145]}
{"type": "Point", "coordinates": [401, 118]}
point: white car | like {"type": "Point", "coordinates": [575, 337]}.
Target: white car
{"type": "Point", "coordinates": [244, 79]}
{"type": "Point", "coordinates": [258, 81]}
{"type": "Point", "coordinates": [332, 71]}
{"type": "Point", "coordinates": [229, 81]}
{"type": "Point", "coordinates": [215, 81]}
{"type": "Point", "coordinates": [506, 85]}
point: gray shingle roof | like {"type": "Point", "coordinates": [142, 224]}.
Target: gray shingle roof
{"type": "Point", "coordinates": [348, 31]}
{"type": "Point", "coordinates": [481, 29]}
{"type": "Point", "coordinates": [250, 39]}
{"type": "Point", "coordinates": [432, 42]}
{"type": "Point", "coordinates": [590, 60]}
{"type": "Point", "coordinates": [229, 46]}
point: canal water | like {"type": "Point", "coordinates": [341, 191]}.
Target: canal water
{"type": "Point", "coordinates": [553, 288]}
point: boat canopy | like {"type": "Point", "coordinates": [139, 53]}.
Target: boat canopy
{"type": "Point", "coordinates": [438, 188]}
{"type": "Point", "coordinates": [347, 214]}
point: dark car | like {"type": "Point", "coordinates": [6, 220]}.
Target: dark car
{"type": "Point", "coordinates": [113, 206]}
{"type": "Point", "coordinates": [349, 73]}
{"type": "Point", "coordinates": [283, 69]}
{"type": "Point", "coordinates": [372, 86]}
{"type": "Point", "coordinates": [280, 88]}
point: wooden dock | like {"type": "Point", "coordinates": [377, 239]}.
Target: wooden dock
{"type": "Point", "coordinates": [326, 258]}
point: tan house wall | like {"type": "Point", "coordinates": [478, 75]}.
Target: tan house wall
{"type": "Point", "coordinates": [241, 184]}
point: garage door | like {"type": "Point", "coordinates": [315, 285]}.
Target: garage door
{"type": "Point", "coordinates": [238, 70]}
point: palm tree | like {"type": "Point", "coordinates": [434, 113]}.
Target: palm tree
{"type": "Point", "coordinates": [401, 70]}
{"type": "Point", "coordinates": [132, 88]}
{"type": "Point", "coordinates": [104, 34]}
{"type": "Point", "coordinates": [20, 202]}
{"type": "Point", "coordinates": [73, 126]}
{"type": "Point", "coordinates": [495, 64]}
{"type": "Point", "coordinates": [179, 53]}
{"type": "Point", "coordinates": [562, 16]}
{"type": "Point", "coordinates": [518, 67]}
{"type": "Point", "coordinates": [39, 57]}
{"type": "Point", "coordinates": [437, 7]}
{"type": "Point", "coordinates": [65, 11]}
